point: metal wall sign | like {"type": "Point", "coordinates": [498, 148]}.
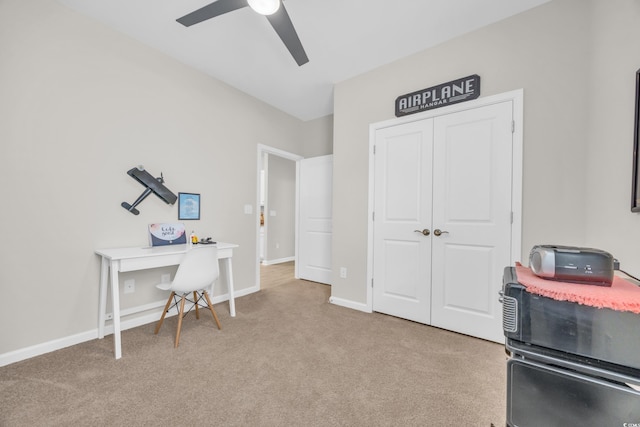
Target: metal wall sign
{"type": "Point", "coordinates": [453, 92]}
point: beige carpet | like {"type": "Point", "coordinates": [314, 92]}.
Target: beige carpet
{"type": "Point", "coordinates": [289, 358]}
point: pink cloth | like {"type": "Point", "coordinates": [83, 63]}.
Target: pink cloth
{"type": "Point", "coordinates": [622, 295]}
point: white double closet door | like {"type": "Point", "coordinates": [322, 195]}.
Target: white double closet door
{"type": "Point", "coordinates": [442, 219]}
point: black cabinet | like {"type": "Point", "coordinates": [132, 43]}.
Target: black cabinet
{"type": "Point", "coordinates": [570, 364]}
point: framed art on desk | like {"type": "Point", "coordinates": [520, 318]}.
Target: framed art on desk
{"type": "Point", "coordinates": [163, 234]}
{"type": "Point", "coordinates": [188, 206]}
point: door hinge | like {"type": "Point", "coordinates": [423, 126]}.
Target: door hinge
{"type": "Point", "coordinates": [511, 217]}
{"type": "Point", "coordinates": [513, 126]}
{"type": "Point", "coordinates": [372, 282]}
{"type": "Point", "coordinates": [374, 149]}
{"type": "Point", "coordinates": [373, 216]}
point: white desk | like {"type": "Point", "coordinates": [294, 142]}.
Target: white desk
{"type": "Point", "coordinates": [117, 260]}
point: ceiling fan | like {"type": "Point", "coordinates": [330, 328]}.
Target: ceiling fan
{"type": "Point", "coordinates": [274, 10]}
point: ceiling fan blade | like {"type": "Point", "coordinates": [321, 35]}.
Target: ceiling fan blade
{"type": "Point", "coordinates": [281, 22]}
{"type": "Point", "coordinates": [211, 10]}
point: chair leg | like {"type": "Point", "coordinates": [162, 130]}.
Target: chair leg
{"type": "Point", "coordinates": [164, 313]}
{"type": "Point", "coordinates": [215, 316]}
{"type": "Point", "coordinates": [195, 298]}
{"type": "Point", "coordinates": [180, 316]}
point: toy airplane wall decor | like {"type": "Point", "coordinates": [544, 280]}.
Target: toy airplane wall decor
{"type": "Point", "coordinates": [154, 185]}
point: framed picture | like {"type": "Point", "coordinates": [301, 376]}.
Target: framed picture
{"type": "Point", "coordinates": [188, 206]}
{"type": "Point", "coordinates": [635, 183]}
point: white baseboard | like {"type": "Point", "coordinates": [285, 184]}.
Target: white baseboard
{"type": "Point", "coordinates": [38, 349]}
{"type": "Point", "coordinates": [58, 344]}
{"type": "Point", "coordinates": [278, 261]}
{"type": "Point", "coordinates": [349, 304]}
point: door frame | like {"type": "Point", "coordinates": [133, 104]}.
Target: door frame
{"type": "Point", "coordinates": [262, 150]}
{"type": "Point", "coordinates": [517, 98]}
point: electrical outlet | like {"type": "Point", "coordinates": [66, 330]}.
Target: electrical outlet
{"type": "Point", "coordinates": [165, 278]}
{"type": "Point", "coordinates": [343, 272]}
{"type": "Point", "coordinates": [129, 286]}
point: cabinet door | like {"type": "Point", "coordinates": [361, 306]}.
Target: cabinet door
{"type": "Point", "coordinates": [402, 191]}
{"type": "Point", "coordinates": [472, 208]}
{"type": "Point", "coordinates": [541, 395]}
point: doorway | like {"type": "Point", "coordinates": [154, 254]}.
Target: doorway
{"type": "Point", "coordinates": [276, 220]}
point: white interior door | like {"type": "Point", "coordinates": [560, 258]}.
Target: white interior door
{"type": "Point", "coordinates": [315, 219]}
{"type": "Point", "coordinates": [402, 253]}
{"type": "Point", "coordinates": [472, 207]}
{"type": "Point", "coordinates": [450, 175]}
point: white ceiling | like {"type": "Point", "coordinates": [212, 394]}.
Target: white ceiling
{"type": "Point", "coordinates": [343, 38]}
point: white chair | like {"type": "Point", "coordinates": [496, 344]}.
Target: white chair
{"type": "Point", "coordinates": [196, 273]}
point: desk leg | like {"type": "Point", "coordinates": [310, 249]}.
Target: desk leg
{"type": "Point", "coordinates": [115, 303]}
{"type": "Point", "coordinates": [104, 276]}
{"type": "Point", "coordinates": [232, 301]}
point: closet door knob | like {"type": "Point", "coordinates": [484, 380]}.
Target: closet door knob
{"type": "Point", "coordinates": [426, 231]}
{"type": "Point", "coordinates": [439, 232]}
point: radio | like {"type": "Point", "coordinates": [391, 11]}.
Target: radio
{"type": "Point", "coordinates": [572, 264]}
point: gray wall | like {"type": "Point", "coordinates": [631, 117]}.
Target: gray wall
{"type": "Point", "coordinates": [80, 105]}
{"type": "Point", "coordinates": [281, 198]}
{"type": "Point", "coordinates": [318, 137]}
{"type": "Point", "coordinates": [576, 61]}
{"type": "Point", "coordinates": [613, 60]}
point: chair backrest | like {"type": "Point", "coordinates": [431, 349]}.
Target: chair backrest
{"type": "Point", "coordinates": [198, 270]}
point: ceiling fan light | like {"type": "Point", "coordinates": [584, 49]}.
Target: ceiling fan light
{"type": "Point", "coordinates": [264, 7]}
